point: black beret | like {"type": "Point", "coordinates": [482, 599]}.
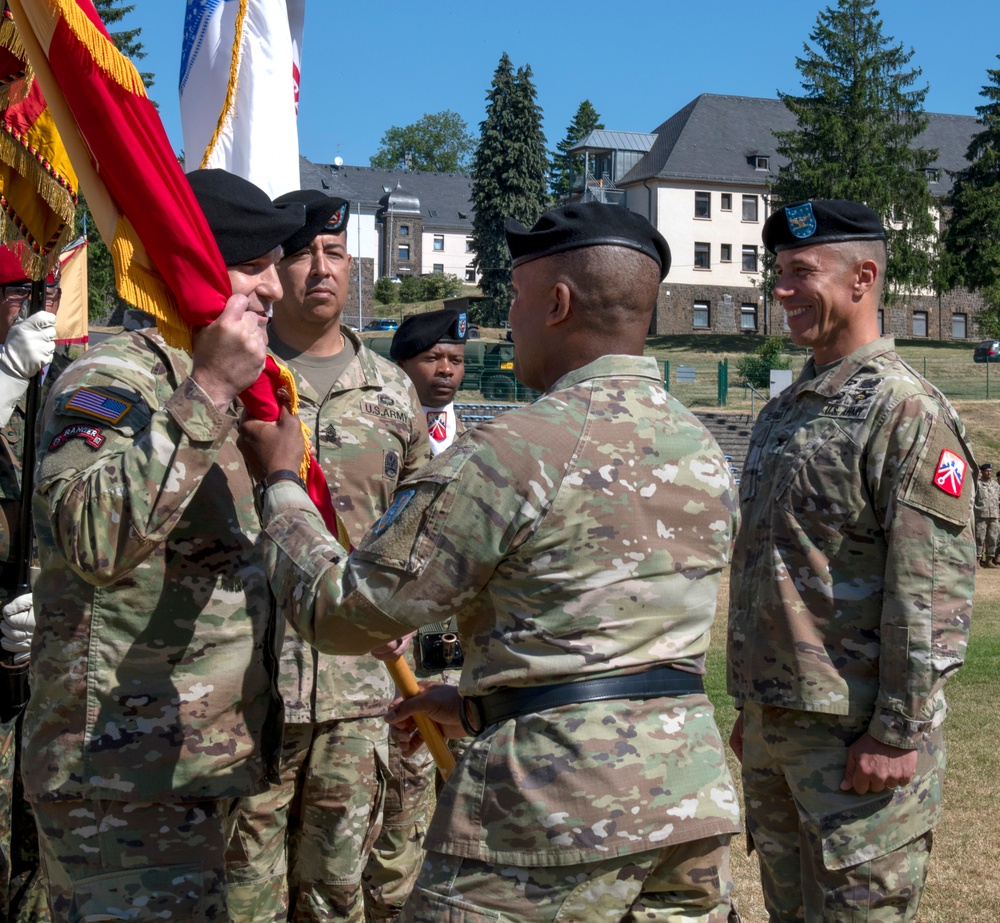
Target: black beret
{"type": "Point", "coordinates": [325, 214]}
{"type": "Point", "coordinates": [587, 224]}
{"type": "Point", "coordinates": [986, 466]}
{"type": "Point", "coordinates": [420, 332]}
{"type": "Point", "coordinates": [821, 221]}
{"type": "Point", "coordinates": [245, 222]}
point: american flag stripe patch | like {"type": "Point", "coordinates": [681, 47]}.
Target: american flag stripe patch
{"type": "Point", "coordinates": [94, 404]}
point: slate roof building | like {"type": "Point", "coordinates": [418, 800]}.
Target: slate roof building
{"type": "Point", "coordinates": [704, 184]}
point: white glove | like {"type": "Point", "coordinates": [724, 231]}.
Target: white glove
{"type": "Point", "coordinates": [17, 626]}
{"type": "Point", "coordinates": [30, 346]}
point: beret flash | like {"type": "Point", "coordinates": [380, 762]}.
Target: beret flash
{"type": "Point", "coordinates": [419, 332]}
{"type": "Point", "coordinates": [325, 214]}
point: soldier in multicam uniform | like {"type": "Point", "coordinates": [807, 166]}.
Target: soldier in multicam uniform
{"type": "Point", "coordinates": [851, 590]}
{"type": "Point", "coordinates": [152, 704]}
{"type": "Point", "coordinates": [28, 347]}
{"type": "Point", "coordinates": [301, 847]}
{"type": "Point", "coordinates": [987, 518]}
{"type": "Point", "coordinates": [580, 541]}
{"type": "Point", "coordinates": [430, 348]}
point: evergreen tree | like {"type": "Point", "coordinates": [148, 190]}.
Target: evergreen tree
{"type": "Point", "coordinates": [972, 238]}
{"type": "Point", "coordinates": [856, 123]}
{"type": "Point", "coordinates": [439, 142]}
{"type": "Point", "coordinates": [509, 170]}
{"type": "Point", "coordinates": [566, 166]}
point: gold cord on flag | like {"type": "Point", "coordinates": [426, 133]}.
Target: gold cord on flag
{"type": "Point", "coordinates": [234, 79]}
{"type": "Point", "coordinates": [111, 61]}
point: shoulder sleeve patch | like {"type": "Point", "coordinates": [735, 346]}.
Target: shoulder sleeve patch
{"type": "Point", "coordinates": [92, 403]}
{"type": "Point", "coordinates": [943, 483]}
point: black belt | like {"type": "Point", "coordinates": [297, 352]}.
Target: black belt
{"type": "Point", "coordinates": [512, 702]}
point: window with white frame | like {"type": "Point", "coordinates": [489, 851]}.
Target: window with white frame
{"type": "Point", "coordinates": [761, 162]}
{"type": "Point", "coordinates": [439, 241]}
{"type": "Point", "coordinates": [702, 316]}
{"type": "Point", "coordinates": [748, 316]}
{"type": "Point", "coordinates": [703, 205]}
{"type": "Point", "coordinates": [702, 255]}
{"type": "Point", "coordinates": [958, 326]}
{"type": "Point", "coordinates": [403, 252]}
{"type": "Point", "coordinates": [470, 273]}
{"type": "Point", "coordinates": [726, 201]}
{"type": "Point", "coordinates": [920, 323]}
{"type": "Point", "coordinates": [749, 258]}
{"type": "Point", "coordinates": [749, 208]}
{"type": "Point", "coordinates": [468, 245]}
{"type": "Point", "coordinates": [725, 253]}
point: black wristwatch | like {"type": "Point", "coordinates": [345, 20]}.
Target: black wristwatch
{"type": "Point", "coordinates": [282, 474]}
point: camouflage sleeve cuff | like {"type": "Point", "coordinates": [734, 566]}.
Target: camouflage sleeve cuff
{"type": "Point", "coordinates": [197, 416]}
{"type": "Point", "coordinates": [283, 496]}
{"type": "Point", "coordinates": [897, 730]}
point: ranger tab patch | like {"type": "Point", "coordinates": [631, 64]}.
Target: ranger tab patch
{"type": "Point", "coordinates": [950, 473]}
{"type": "Point", "coordinates": [93, 436]}
{"type": "Point", "coordinates": [94, 404]}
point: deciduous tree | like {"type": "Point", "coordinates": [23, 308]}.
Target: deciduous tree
{"type": "Point", "coordinates": [509, 173]}
{"type": "Point", "coordinates": [438, 142]}
{"type": "Point", "coordinates": [857, 121]}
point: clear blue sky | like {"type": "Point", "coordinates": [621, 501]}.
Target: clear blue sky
{"type": "Point", "coordinates": [370, 65]}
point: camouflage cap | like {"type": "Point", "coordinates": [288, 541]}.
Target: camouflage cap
{"type": "Point", "coordinates": [587, 224]}
{"type": "Point", "coordinates": [820, 221]}
{"type": "Point", "coordinates": [325, 214]}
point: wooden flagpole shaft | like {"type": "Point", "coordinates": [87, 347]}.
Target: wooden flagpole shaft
{"type": "Point", "coordinates": [406, 683]}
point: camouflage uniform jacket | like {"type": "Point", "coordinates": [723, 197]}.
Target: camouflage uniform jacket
{"type": "Point", "coordinates": [988, 499]}
{"type": "Point", "coordinates": [581, 536]}
{"type": "Point", "coordinates": [153, 662]}
{"type": "Point", "coordinates": [369, 434]}
{"type": "Point", "coordinates": [853, 571]}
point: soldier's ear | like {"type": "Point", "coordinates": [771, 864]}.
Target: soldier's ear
{"type": "Point", "coordinates": [560, 308]}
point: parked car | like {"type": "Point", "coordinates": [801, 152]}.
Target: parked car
{"type": "Point", "coordinates": [987, 351]}
{"type": "Point", "coordinates": [382, 324]}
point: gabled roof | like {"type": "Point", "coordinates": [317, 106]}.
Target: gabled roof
{"type": "Point", "coordinates": [601, 140]}
{"type": "Point", "coordinates": [715, 137]}
{"type": "Point", "coordinates": [445, 199]}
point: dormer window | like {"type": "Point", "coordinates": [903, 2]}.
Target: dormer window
{"type": "Point", "coordinates": [759, 162]}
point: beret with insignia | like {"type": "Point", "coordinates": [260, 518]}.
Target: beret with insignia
{"type": "Point", "coordinates": [986, 466]}
{"type": "Point", "coordinates": [820, 221]}
{"type": "Point", "coordinates": [325, 214]}
{"type": "Point", "coordinates": [587, 224]}
{"type": "Point", "coordinates": [419, 332]}
{"type": "Point", "coordinates": [245, 222]}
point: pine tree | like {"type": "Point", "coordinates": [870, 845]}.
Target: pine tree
{"type": "Point", "coordinates": [566, 166]}
{"type": "Point", "coordinates": [857, 122]}
{"type": "Point", "coordinates": [509, 170]}
{"type": "Point", "coordinates": [972, 237]}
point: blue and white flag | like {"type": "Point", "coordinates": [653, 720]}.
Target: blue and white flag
{"type": "Point", "coordinates": [239, 87]}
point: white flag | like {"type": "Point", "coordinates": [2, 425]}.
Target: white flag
{"type": "Point", "coordinates": [239, 88]}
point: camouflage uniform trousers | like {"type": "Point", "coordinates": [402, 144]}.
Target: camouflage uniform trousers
{"type": "Point", "coordinates": [120, 860]}
{"type": "Point", "coordinates": [300, 847]}
{"type": "Point", "coordinates": [987, 538]}
{"type": "Point", "coordinates": [684, 883]}
{"type": "Point", "coordinates": [22, 892]}
{"type": "Point", "coordinates": [827, 855]}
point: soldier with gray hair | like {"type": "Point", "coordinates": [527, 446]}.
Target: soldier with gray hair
{"type": "Point", "coordinates": [580, 542]}
{"type": "Point", "coordinates": [851, 590]}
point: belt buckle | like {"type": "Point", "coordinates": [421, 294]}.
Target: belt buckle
{"type": "Point", "coordinates": [476, 704]}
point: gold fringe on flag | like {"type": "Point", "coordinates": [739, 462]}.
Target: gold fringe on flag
{"type": "Point", "coordinates": [108, 58]}
{"type": "Point", "coordinates": [234, 75]}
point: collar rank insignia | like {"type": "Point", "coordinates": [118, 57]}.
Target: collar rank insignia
{"type": "Point", "coordinates": [437, 424]}
{"type": "Point", "coordinates": [392, 514]}
{"type": "Point", "coordinates": [950, 473]}
{"type": "Point", "coordinates": [92, 403]}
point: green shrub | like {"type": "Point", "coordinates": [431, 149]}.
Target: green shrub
{"type": "Point", "coordinates": [756, 367]}
{"type": "Point", "coordinates": [411, 289]}
{"type": "Point", "coordinates": [385, 291]}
